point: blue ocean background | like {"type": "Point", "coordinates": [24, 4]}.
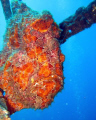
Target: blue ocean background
{"type": "Point", "coordinates": [77, 101]}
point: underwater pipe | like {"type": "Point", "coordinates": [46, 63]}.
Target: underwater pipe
{"type": "Point", "coordinates": [6, 9]}
{"type": "Point", "coordinates": [83, 18]}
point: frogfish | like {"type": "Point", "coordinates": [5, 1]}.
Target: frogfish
{"type": "Point", "coordinates": [31, 62]}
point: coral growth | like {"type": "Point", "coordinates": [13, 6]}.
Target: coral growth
{"type": "Point", "coordinates": [31, 62]}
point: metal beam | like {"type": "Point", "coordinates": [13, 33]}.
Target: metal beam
{"type": "Point", "coordinates": [83, 18]}
{"type": "Point", "coordinates": [6, 9]}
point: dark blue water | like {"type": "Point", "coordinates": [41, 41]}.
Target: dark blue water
{"type": "Point", "coordinates": [77, 101]}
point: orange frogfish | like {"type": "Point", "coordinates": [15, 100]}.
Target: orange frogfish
{"type": "Point", "coordinates": [31, 71]}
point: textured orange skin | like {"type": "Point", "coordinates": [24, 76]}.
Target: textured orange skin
{"type": "Point", "coordinates": [42, 25]}
{"type": "Point", "coordinates": [32, 63]}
